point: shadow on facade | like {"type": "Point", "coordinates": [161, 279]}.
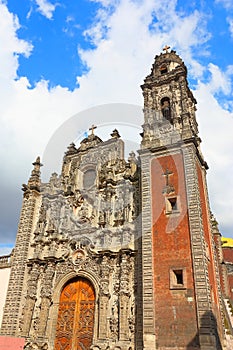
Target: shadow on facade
{"type": "Point", "coordinates": [208, 337]}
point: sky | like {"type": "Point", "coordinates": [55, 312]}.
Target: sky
{"type": "Point", "coordinates": [61, 57]}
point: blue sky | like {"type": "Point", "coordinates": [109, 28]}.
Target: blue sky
{"type": "Point", "coordinates": [55, 36]}
{"type": "Point", "coordinates": [61, 57]}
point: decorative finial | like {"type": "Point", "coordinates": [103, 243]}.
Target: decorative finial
{"type": "Point", "coordinates": [115, 134]}
{"type": "Point", "coordinates": [71, 149]}
{"type": "Point", "coordinates": [37, 164]}
{"type": "Point", "coordinates": [166, 48]}
{"type": "Point", "coordinates": [34, 180]}
{"type": "Point", "coordinates": [92, 128]}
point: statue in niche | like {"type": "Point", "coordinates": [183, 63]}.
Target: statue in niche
{"type": "Point", "coordinates": [104, 287]}
{"type": "Point", "coordinates": [78, 199]}
{"type": "Point", "coordinates": [84, 212]}
{"type": "Point", "coordinates": [119, 218]}
{"type": "Point", "coordinates": [67, 220]}
{"type": "Point", "coordinates": [113, 321]}
{"type": "Point", "coordinates": [127, 212]}
{"type": "Point", "coordinates": [41, 223]}
{"type": "Point", "coordinates": [54, 183]}
{"type": "Point", "coordinates": [102, 219]}
{"type": "Point", "coordinates": [107, 240]}
{"type": "Point", "coordinates": [108, 214]}
{"type": "Point", "coordinates": [166, 108]}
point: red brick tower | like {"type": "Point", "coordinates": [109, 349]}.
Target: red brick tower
{"type": "Point", "coordinates": [181, 295]}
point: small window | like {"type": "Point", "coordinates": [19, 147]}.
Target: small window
{"type": "Point", "coordinates": [177, 278]}
{"type": "Point", "coordinates": [171, 205]}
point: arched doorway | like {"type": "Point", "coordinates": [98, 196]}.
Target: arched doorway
{"type": "Point", "coordinates": [75, 321]}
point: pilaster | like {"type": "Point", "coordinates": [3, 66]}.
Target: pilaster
{"type": "Point", "coordinates": [46, 296]}
{"type": "Point", "coordinates": [30, 300]}
{"type": "Point", "coordinates": [205, 317]}
{"type": "Point", "coordinates": [15, 294]}
{"type": "Point", "coordinates": [149, 340]}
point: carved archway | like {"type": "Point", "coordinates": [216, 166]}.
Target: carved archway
{"type": "Point", "coordinates": [75, 322]}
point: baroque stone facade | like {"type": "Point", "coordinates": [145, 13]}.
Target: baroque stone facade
{"type": "Point", "coordinates": [115, 254]}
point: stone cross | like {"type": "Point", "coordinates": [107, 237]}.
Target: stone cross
{"type": "Point", "coordinates": [167, 173]}
{"type": "Point", "coordinates": [169, 188]}
{"type": "Point", "coordinates": [166, 48]}
{"type": "Point", "coordinates": [92, 128]}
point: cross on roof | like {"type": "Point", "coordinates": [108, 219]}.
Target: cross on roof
{"type": "Point", "coordinates": [166, 48]}
{"type": "Point", "coordinates": [92, 128]}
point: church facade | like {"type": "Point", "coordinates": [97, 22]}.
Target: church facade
{"type": "Point", "coordinates": [115, 254]}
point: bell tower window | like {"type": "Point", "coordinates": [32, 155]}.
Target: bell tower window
{"type": "Point", "coordinates": [163, 69]}
{"type": "Point", "coordinates": [166, 108]}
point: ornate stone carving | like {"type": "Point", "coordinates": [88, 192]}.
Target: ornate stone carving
{"type": "Point", "coordinates": [47, 280]}
{"type": "Point", "coordinates": [32, 345]}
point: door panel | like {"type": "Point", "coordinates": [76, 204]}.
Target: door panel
{"type": "Point", "coordinates": [75, 321]}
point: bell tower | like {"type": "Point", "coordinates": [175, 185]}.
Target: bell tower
{"type": "Point", "coordinates": [181, 300]}
{"type": "Point", "coordinates": [169, 105]}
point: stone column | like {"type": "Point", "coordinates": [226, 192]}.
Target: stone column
{"type": "Point", "coordinates": [103, 312]}
{"type": "Point", "coordinates": [124, 298]}
{"type": "Point", "coordinates": [124, 316]}
{"type": "Point", "coordinates": [200, 261]}
{"type": "Point", "coordinates": [149, 339]}
{"type": "Point", "coordinates": [104, 298]}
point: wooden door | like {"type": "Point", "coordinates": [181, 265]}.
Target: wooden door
{"type": "Point", "coordinates": [76, 316]}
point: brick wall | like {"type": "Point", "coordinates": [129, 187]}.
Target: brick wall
{"type": "Point", "coordinates": [175, 311]}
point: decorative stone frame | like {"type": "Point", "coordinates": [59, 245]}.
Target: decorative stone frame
{"type": "Point", "coordinates": [52, 322]}
{"type": "Point", "coordinates": [162, 94]}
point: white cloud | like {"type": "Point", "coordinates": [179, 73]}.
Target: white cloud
{"type": "Point", "coordinates": [230, 21]}
{"type": "Point", "coordinates": [107, 3]}
{"type": "Point", "coordinates": [46, 8]}
{"type": "Point", "coordinates": [226, 3]}
{"type": "Point", "coordinates": [126, 43]}
{"type": "Point", "coordinates": [216, 126]}
{"type": "Point", "coordinates": [10, 45]}
{"type": "Point", "coordinates": [125, 47]}
{"type": "Point", "coordinates": [219, 81]}
{"type": "Point", "coordinates": [5, 250]}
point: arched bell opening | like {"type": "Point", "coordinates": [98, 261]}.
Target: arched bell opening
{"type": "Point", "coordinates": [166, 108]}
{"type": "Point", "coordinates": [163, 69]}
{"type": "Point", "coordinates": [76, 315]}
